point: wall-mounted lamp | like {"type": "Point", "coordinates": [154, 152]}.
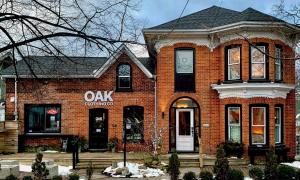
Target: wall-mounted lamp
{"type": "Point", "coordinates": [163, 115]}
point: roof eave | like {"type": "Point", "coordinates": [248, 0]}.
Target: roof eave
{"type": "Point", "coordinates": [47, 76]}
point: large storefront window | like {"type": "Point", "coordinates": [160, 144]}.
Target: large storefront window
{"type": "Point", "coordinates": [233, 63]}
{"type": "Point", "coordinates": [258, 63]}
{"type": "Point", "coordinates": [42, 118]}
{"type": "Point", "coordinates": [233, 123]}
{"type": "Point", "coordinates": [134, 115]}
{"type": "Point", "coordinates": [258, 125]}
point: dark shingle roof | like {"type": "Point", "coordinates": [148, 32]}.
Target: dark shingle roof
{"type": "Point", "coordinates": [52, 66]}
{"type": "Point", "coordinates": [214, 17]}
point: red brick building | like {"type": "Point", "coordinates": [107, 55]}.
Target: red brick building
{"type": "Point", "coordinates": [217, 75]}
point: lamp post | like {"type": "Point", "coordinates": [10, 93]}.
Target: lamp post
{"type": "Point", "coordinates": [127, 127]}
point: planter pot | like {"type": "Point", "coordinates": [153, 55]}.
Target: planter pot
{"type": "Point", "coordinates": [113, 150]}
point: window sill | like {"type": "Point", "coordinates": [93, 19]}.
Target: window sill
{"type": "Point", "coordinates": [232, 81]}
{"type": "Point", "coordinates": [43, 134]}
{"type": "Point", "coordinates": [124, 90]}
{"type": "Point", "coordinates": [258, 81]}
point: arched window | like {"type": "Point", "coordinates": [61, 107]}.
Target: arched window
{"type": "Point", "coordinates": [124, 77]}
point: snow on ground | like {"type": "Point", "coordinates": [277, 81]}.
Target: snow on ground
{"type": "Point", "coordinates": [50, 151]}
{"type": "Point", "coordinates": [247, 178]}
{"type": "Point", "coordinates": [62, 170]}
{"type": "Point", "coordinates": [295, 164]}
{"type": "Point", "coordinates": [134, 170]}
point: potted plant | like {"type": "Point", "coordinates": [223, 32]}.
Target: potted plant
{"type": "Point", "coordinates": [112, 144]}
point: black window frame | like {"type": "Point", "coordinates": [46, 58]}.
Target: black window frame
{"type": "Point", "coordinates": [266, 106]}
{"type": "Point", "coordinates": [129, 131]}
{"type": "Point", "coordinates": [227, 106]}
{"type": "Point", "coordinates": [177, 76]}
{"type": "Point", "coordinates": [281, 106]}
{"type": "Point", "coordinates": [123, 89]}
{"type": "Point", "coordinates": [227, 80]}
{"type": "Point", "coordinates": [266, 54]}
{"type": "Point", "coordinates": [277, 46]}
{"type": "Point", "coordinates": [26, 118]}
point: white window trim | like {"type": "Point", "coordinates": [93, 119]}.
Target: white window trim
{"type": "Point", "coordinates": [233, 125]}
{"type": "Point", "coordinates": [279, 125]}
{"type": "Point", "coordinates": [264, 62]}
{"type": "Point", "coordinates": [231, 64]}
{"type": "Point", "coordinates": [265, 135]}
{"type": "Point", "coordinates": [278, 64]}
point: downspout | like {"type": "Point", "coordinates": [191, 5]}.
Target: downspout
{"type": "Point", "coordinates": [16, 99]}
{"type": "Point", "coordinates": [155, 116]}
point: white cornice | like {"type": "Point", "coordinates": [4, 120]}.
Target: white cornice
{"type": "Point", "coordinates": [251, 90]}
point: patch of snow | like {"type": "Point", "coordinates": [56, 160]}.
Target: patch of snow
{"type": "Point", "coordinates": [25, 168]}
{"type": "Point", "coordinates": [134, 170]}
{"type": "Point", "coordinates": [295, 164]}
{"type": "Point", "coordinates": [50, 151]}
{"type": "Point", "coordinates": [248, 178]}
{"type": "Point", "coordinates": [64, 170]}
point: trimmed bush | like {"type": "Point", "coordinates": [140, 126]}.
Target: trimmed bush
{"type": "Point", "coordinates": [286, 172]}
{"type": "Point", "coordinates": [221, 166]}
{"type": "Point", "coordinates": [39, 169]}
{"type": "Point", "coordinates": [74, 176]}
{"type": "Point", "coordinates": [232, 148]}
{"type": "Point", "coordinates": [27, 178]}
{"type": "Point", "coordinates": [173, 168]}
{"type": "Point", "coordinates": [206, 175]}
{"type": "Point", "coordinates": [271, 165]}
{"type": "Point", "coordinates": [189, 176]}
{"type": "Point", "coordinates": [11, 177]}
{"type": "Point", "coordinates": [58, 177]}
{"type": "Point", "coordinates": [235, 174]}
{"type": "Point", "coordinates": [256, 173]}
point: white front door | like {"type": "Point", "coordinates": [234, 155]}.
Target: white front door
{"type": "Point", "coordinates": [184, 129]}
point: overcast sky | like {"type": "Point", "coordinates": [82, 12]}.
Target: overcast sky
{"type": "Point", "coordinates": [156, 12]}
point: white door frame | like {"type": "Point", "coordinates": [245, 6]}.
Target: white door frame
{"type": "Point", "coordinates": [185, 142]}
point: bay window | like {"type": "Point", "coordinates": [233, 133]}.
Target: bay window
{"type": "Point", "coordinates": [278, 124]}
{"type": "Point", "coordinates": [258, 62]}
{"type": "Point", "coordinates": [233, 63]}
{"type": "Point", "coordinates": [278, 63]}
{"type": "Point", "coordinates": [233, 123]}
{"type": "Point", "coordinates": [44, 118]}
{"type": "Point", "coordinates": [258, 125]}
{"type": "Point", "coordinates": [184, 69]}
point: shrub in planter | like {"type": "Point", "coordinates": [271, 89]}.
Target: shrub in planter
{"type": "Point", "coordinates": [206, 175]}
{"type": "Point", "coordinates": [221, 166]}
{"type": "Point", "coordinates": [173, 167]}
{"type": "Point", "coordinates": [39, 169]}
{"type": "Point", "coordinates": [271, 165]}
{"type": "Point", "coordinates": [11, 177]}
{"type": "Point", "coordinates": [189, 176]}
{"type": "Point", "coordinates": [112, 144]}
{"type": "Point", "coordinates": [232, 148]}
{"type": "Point", "coordinates": [286, 172]}
{"type": "Point", "coordinates": [58, 177]}
{"type": "Point", "coordinates": [235, 174]}
{"type": "Point", "coordinates": [83, 144]}
{"type": "Point", "coordinates": [256, 173]}
{"type": "Point", "coordinates": [27, 178]}
{"type": "Point", "coordinates": [74, 176]}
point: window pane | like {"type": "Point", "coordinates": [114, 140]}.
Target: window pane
{"type": "Point", "coordinates": [184, 61]}
{"type": "Point", "coordinates": [277, 134]}
{"type": "Point", "coordinates": [124, 82]}
{"type": "Point", "coordinates": [278, 68]}
{"type": "Point", "coordinates": [124, 70]}
{"type": "Point", "coordinates": [234, 115]}
{"type": "Point", "coordinates": [277, 115]}
{"type": "Point", "coordinates": [258, 134]}
{"type": "Point", "coordinates": [258, 71]}
{"type": "Point", "coordinates": [256, 55]}
{"type": "Point", "coordinates": [184, 123]}
{"type": "Point", "coordinates": [234, 134]}
{"type": "Point", "coordinates": [278, 72]}
{"type": "Point", "coordinates": [234, 55]}
{"type": "Point", "coordinates": [36, 119]}
{"type": "Point", "coordinates": [234, 71]}
{"type": "Point", "coordinates": [135, 116]}
{"type": "Point", "coordinates": [258, 116]}
{"type": "Point", "coordinates": [52, 119]}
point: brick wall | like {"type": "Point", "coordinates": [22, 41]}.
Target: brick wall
{"type": "Point", "coordinates": [209, 68]}
{"type": "Point", "coordinates": [70, 94]}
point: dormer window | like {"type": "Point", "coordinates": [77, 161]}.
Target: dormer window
{"type": "Point", "coordinates": [233, 63]}
{"type": "Point", "coordinates": [124, 77]}
{"type": "Point", "coordinates": [258, 62]}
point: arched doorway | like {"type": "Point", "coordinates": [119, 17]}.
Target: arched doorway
{"type": "Point", "coordinates": [184, 125]}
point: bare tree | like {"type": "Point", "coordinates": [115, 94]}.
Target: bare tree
{"type": "Point", "coordinates": [63, 27]}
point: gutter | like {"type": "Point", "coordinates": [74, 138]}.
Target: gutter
{"type": "Point", "coordinates": [16, 99]}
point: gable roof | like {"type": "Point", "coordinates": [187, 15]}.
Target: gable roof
{"type": "Point", "coordinates": [72, 67]}
{"type": "Point", "coordinates": [214, 17]}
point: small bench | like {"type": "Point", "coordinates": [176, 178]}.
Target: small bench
{"type": "Point", "coordinates": [280, 150]}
